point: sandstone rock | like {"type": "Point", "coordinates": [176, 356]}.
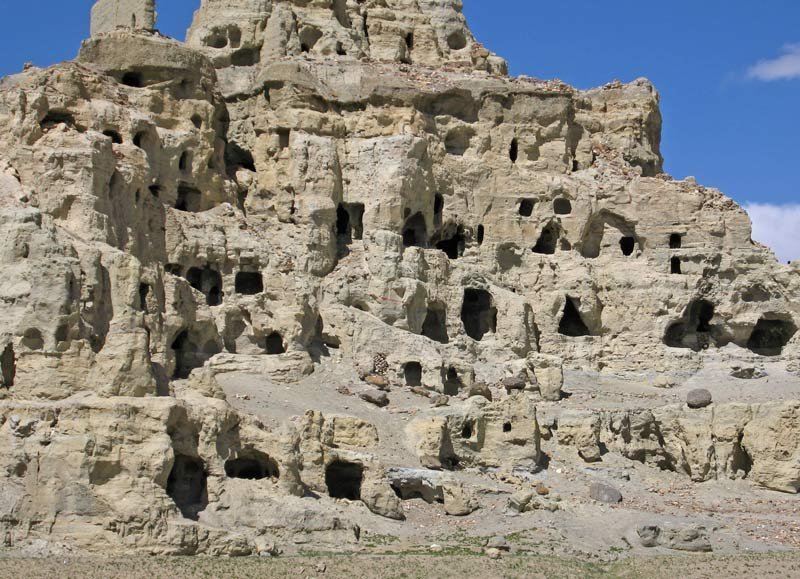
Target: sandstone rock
{"type": "Point", "coordinates": [479, 432]}
{"type": "Point", "coordinates": [604, 493]}
{"type": "Point", "coordinates": [251, 202]}
{"type": "Point", "coordinates": [698, 398]}
{"type": "Point", "coordinates": [581, 430]}
{"type": "Point", "coordinates": [380, 382]}
{"type": "Point", "coordinates": [458, 502]}
{"type": "Point", "coordinates": [375, 397]}
{"type": "Point", "coordinates": [693, 538]}
{"type": "Point", "coordinates": [514, 383]}
{"type": "Point", "coordinates": [498, 542]}
{"type": "Point", "coordinates": [549, 375]}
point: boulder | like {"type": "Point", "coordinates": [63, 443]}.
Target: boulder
{"type": "Point", "coordinates": [604, 493]}
{"type": "Point", "coordinates": [699, 398]}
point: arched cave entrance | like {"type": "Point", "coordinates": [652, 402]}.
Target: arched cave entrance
{"type": "Point", "coordinates": [274, 344]}
{"type": "Point", "coordinates": [478, 313]}
{"type": "Point", "coordinates": [412, 372]}
{"type": "Point", "coordinates": [252, 465]}
{"type": "Point", "coordinates": [548, 240]}
{"type": "Point", "coordinates": [415, 231]}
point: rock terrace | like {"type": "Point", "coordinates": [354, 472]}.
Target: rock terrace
{"type": "Point", "coordinates": [325, 272]}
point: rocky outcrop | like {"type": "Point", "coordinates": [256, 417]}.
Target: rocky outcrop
{"type": "Point", "coordinates": [760, 442]}
{"type": "Point", "coordinates": [361, 180]}
{"type": "Point", "coordinates": [502, 434]}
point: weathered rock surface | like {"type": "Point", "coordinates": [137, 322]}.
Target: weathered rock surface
{"type": "Point", "coordinates": [693, 538]}
{"type": "Point", "coordinates": [355, 184]}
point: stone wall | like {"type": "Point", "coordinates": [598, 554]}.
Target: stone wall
{"type": "Point", "coordinates": [108, 15]}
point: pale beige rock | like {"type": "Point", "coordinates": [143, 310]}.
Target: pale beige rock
{"type": "Point", "coordinates": [352, 184]}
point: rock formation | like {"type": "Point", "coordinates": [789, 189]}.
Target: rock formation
{"type": "Point", "coordinates": [358, 184]}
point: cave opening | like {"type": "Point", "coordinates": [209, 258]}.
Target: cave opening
{"type": "Point", "coordinates": [454, 246]}
{"type": "Point", "coordinates": [627, 245]}
{"type": "Point", "coordinates": [415, 231]}
{"type": "Point", "coordinates": [412, 372]}
{"type": "Point", "coordinates": [144, 291]}
{"type": "Point", "coordinates": [252, 465]}
{"type": "Point", "coordinates": [344, 480]}
{"type": "Point", "coordinates": [115, 137]}
{"type": "Point", "coordinates": [133, 79]}
{"type": "Point", "coordinates": [452, 382]}
{"type": "Point", "coordinates": [186, 485]}
{"type": "Point", "coordinates": [207, 281]}
{"type": "Point", "coordinates": [8, 366]}
{"type": "Point", "coordinates": [562, 206]}
{"type": "Point", "coordinates": [675, 241]}
{"type": "Point", "coordinates": [189, 355]}
{"type": "Point", "coordinates": [249, 283]}
{"type": "Point", "coordinates": [274, 344]}
{"type": "Point", "coordinates": [435, 324]}
{"type": "Point", "coordinates": [769, 337]}
{"type": "Point", "coordinates": [513, 150]}
{"type": "Point", "coordinates": [548, 240]}
{"type": "Point", "coordinates": [571, 323]}
{"type": "Point", "coordinates": [675, 266]}
{"type": "Point", "coordinates": [526, 207]}
{"type": "Point", "coordinates": [478, 313]}
{"type": "Point", "coordinates": [189, 198]}
{"type": "Point", "coordinates": [694, 329]}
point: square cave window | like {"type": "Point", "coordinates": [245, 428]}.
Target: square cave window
{"type": "Point", "coordinates": [249, 283]}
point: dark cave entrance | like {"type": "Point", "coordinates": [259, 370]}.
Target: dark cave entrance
{"type": "Point", "coordinates": [253, 465]}
{"type": "Point", "coordinates": [207, 281]}
{"type": "Point", "coordinates": [189, 198]}
{"type": "Point", "coordinates": [694, 330]}
{"type": "Point", "coordinates": [571, 324]}
{"type": "Point", "coordinates": [435, 324]}
{"type": "Point", "coordinates": [415, 231]}
{"type": "Point", "coordinates": [478, 313]}
{"type": "Point", "coordinates": [186, 486]}
{"type": "Point", "coordinates": [274, 344]}
{"type": "Point", "coordinates": [525, 208]}
{"type": "Point", "coordinates": [188, 355]}
{"type": "Point", "coordinates": [249, 283]}
{"type": "Point", "coordinates": [548, 240]}
{"type": "Point", "coordinates": [454, 246]}
{"type": "Point", "coordinates": [769, 337]}
{"type": "Point", "coordinates": [412, 372]}
{"type": "Point", "coordinates": [344, 480]}
{"type": "Point", "coordinates": [452, 382]}
{"type": "Point", "coordinates": [627, 245]}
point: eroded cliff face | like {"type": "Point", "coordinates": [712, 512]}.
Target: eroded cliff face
{"type": "Point", "coordinates": [356, 181]}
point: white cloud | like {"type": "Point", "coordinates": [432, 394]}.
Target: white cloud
{"type": "Point", "coordinates": [777, 226]}
{"type": "Point", "coordinates": [785, 67]}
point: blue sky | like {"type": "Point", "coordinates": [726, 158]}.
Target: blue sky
{"type": "Point", "coordinates": [728, 72]}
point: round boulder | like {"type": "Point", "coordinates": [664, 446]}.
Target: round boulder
{"type": "Point", "coordinates": [604, 493]}
{"type": "Point", "coordinates": [699, 398]}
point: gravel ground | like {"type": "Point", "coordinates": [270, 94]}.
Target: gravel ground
{"type": "Point", "coordinates": [784, 565]}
